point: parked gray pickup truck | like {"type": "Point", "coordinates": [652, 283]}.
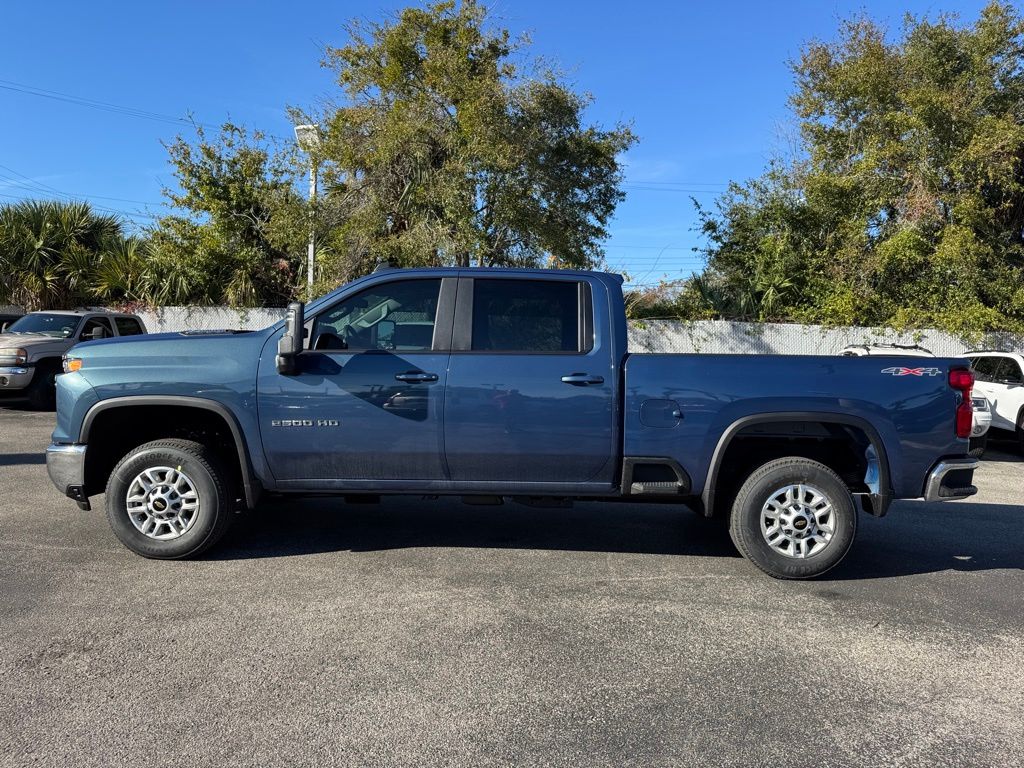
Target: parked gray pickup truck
{"type": "Point", "coordinates": [31, 348]}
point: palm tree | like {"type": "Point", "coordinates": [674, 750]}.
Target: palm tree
{"type": "Point", "coordinates": [50, 252]}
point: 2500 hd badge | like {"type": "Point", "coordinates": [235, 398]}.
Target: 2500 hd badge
{"type": "Point", "coordinates": [304, 423]}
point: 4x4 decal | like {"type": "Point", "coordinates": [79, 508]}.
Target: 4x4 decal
{"type": "Point", "coordinates": [901, 371]}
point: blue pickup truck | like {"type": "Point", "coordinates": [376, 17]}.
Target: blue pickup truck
{"type": "Point", "coordinates": [493, 384]}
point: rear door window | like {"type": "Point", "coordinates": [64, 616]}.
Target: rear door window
{"type": "Point", "coordinates": [1010, 371]}
{"type": "Point", "coordinates": [127, 326]}
{"type": "Point", "coordinates": [526, 316]}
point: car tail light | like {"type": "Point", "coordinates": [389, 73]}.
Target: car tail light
{"type": "Point", "coordinates": [962, 380]}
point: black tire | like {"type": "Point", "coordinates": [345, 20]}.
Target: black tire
{"type": "Point", "coordinates": [977, 445]}
{"type": "Point", "coordinates": [1020, 433]}
{"type": "Point", "coordinates": [42, 389]}
{"type": "Point", "coordinates": [212, 485]}
{"type": "Point", "coordinates": [763, 482]}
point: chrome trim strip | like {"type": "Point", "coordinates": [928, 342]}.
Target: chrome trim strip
{"type": "Point", "coordinates": [13, 371]}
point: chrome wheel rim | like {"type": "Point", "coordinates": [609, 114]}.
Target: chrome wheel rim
{"type": "Point", "coordinates": [162, 503]}
{"type": "Point", "coordinates": [798, 521]}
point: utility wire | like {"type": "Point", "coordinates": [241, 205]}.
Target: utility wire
{"type": "Point", "coordinates": [127, 214]}
{"type": "Point", "coordinates": [35, 184]}
{"type": "Point", "coordinates": [119, 109]}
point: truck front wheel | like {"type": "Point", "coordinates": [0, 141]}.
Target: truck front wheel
{"type": "Point", "coordinates": [169, 499]}
{"type": "Point", "coordinates": [793, 518]}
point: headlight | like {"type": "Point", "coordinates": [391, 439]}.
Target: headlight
{"type": "Point", "coordinates": [13, 356]}
{"type": "Point", "coordinates": [72, 364]}
{"type": "Point", "coordinates": [980, 403]}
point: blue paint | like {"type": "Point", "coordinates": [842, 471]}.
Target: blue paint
{"type": "Point", "coordinates": [506, 423]}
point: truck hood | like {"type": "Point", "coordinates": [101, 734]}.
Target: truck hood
{"type": "Point", "coordinates": [28, 340]}
{"type": "Point", "coordinates": [170, 363]}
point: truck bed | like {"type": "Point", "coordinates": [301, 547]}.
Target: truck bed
{"type": "Point", "coordinates": [912, 412]}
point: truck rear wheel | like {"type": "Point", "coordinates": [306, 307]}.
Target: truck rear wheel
{"type": "Point", "coordinates": [793, 518]}
{"type": "Point", "coordinates": [169, 499]}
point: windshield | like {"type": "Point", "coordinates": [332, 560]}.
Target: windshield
{"type": "Point", "coordinates": [57, 326]}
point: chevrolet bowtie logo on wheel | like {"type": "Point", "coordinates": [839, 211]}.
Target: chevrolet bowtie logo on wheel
{"type": "Point", "coordinates": [901, 371]}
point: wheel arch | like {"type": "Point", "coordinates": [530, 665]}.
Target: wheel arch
{"type": "Point", "coordinates": [104, 409]}
{"type": "Point", "coordinates": [879, 500]}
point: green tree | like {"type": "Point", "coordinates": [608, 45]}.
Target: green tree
{"type": "Point", "coordinates": [448, 153]}
{"type": "Point", "coordinates": [236, 240]}
{"type": "Point", "coordinates": [50, 251]}
{"type": "Point", "coordinates": [905, 206]}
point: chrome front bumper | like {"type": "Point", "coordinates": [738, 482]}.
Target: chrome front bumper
{"type": "Point", "coordinates": [15, 377]}
{"type": "Point", "coordinates": [951, 479]}
{"type": "Point", "coordinates": [65, 464]}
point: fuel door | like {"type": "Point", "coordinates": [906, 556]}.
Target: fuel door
{"type": "Point", "coordinates": [661, 414]}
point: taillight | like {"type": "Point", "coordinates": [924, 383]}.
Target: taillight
{"type": "Point", "coordinates": [962, 380]}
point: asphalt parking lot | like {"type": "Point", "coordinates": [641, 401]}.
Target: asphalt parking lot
{"type": "Point", "coordinates": [432, 633]}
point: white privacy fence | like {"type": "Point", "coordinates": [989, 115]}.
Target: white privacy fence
{"type": "Point", "coordinates": [701, 336]}
{"type": "Point", "coordinates": [723, 337]}
{"type": "Point", "coordinates": [166, 319]}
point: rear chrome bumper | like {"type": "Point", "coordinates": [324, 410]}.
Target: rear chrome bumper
{"type": "Point", "coordinates": [951, 479]}
{"type": "Point", "coordinates": [65, 464]}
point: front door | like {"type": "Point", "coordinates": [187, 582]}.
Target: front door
{"type": "Point", "coordinates": [529, 396]}
{"type": "Point", "coordinates": [366, 403]}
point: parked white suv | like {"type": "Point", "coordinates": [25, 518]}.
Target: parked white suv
{"type": "Point", "coordinates": [979, 401]}
{"type": "Point", "coordinates": [1000, 377]}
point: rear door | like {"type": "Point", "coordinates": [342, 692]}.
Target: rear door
{"type": "Point", "coordinates": [530, 395]}
{"type": "Point", "coordinates": [366, 403]}
{"type": "Point", "coordinates": [1009, 393]}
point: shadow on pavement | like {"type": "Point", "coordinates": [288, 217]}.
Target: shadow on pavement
{"type": "Point", "coordinates": [914, 538]}
{"type": "Point", "coordinates": [12, 459]}
{"type": "Point", "coordinates": [1002, 453]}
{"type": "Point", "coordinates": [917, 537]}
{"type": "Point", "coordinates": [295, 527]}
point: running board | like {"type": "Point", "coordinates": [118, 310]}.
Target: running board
{"type": "Point", "coordinates": [654, 476]}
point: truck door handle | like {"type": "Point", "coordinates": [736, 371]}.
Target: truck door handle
{"type": "Point", "coordinates": [416, 376]}
{"type": "Point", "coordinates": [582, 379]}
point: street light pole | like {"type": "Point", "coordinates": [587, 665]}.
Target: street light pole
{"type": "Point", "coordinates": [308, 138]}
{"type": "Point", "coordinates": [312, 228]}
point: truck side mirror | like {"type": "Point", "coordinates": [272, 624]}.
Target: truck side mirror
{"type": "Point", "coordinates": [95, 333]}
{"type": "Point", "coordinates": [290, 344]}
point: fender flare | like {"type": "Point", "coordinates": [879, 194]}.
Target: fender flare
{"type": "Point", "coordinates": [250, 484]}
{"type": "Point", "coordinates": [879, 501]}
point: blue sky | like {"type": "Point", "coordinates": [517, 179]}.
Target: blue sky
{"type": "Point", "coordinates": [703, 83]}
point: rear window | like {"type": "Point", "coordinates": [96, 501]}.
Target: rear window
{"type": "Point", "coordinates": [1010, 371]}
{"type": "Point", "coordinates": [526, 316]}
{"type": "Point", "coordinates": [127, 326]}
